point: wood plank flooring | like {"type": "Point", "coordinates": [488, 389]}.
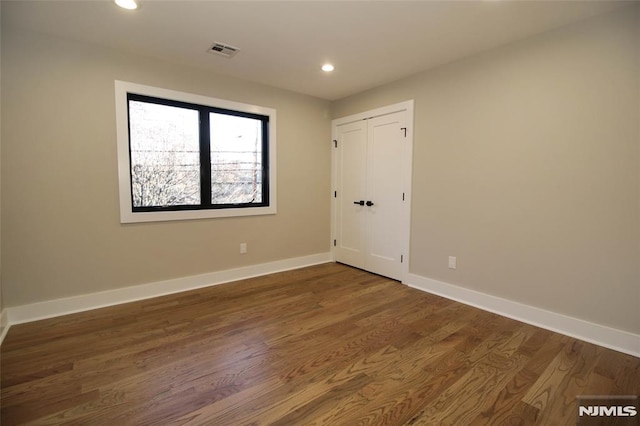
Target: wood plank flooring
{"type": "Point", "coordinates": [327, 344]}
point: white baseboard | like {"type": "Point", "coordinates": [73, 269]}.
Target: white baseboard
{"type": "Point", "coordinates": [618, 340]}
{"type": "Point", "coordinates": [4, 324]}
{"type": "Point", "coordinates": [611, 338]}
{"type": "Point", "coordinates": [69, 305]}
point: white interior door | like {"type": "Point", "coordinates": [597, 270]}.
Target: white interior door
{"type": "Point", "coordinates": [351, 189]}
{"type": "Point", "coordinates": [372, 181]}
{"type": "Point", "coordinates": [385, 192]}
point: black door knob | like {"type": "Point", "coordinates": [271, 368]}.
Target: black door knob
{"type": "Point", "coordinates": [361, 202]}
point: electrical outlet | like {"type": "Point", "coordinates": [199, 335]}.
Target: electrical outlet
{"type": "Point", "coordinates": [243, 248]}
{"type": "Point", "coordinates": [452, 262]}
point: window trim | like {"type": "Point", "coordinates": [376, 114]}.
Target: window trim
{"type": "Point", "coordinates": [127, 213]}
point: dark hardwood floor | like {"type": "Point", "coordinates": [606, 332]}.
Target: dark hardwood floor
{"type": "Point", "coordinates": [327, 344]}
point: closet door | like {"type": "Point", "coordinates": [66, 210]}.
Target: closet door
{"type": "Point", "coordinates": [371, 172]}
{"type": "Point", "coordinates": [385, 175]}
{"type": "Point", "coordinates": [351, 191]}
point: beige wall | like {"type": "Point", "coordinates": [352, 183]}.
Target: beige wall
{"type": "Point", "coordinates": [61, 234]}
{"type": "Point", "coordinates": [527, 168]}
{"type": "Point", "coordinates": [1, 301]}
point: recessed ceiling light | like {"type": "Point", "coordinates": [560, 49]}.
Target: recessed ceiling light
{"type": "Point", "coordinates": [127, 4]}
{"type": "Point", "coordinates": [328, 68]}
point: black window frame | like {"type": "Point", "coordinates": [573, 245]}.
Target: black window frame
{"type": "Point", "coordinates": [204, 155]}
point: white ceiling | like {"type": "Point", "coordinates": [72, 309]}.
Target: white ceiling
{"type": "Point", "coordinates": [284, 43]}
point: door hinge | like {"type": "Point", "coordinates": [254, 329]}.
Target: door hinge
{"type": "Point", "coordinates": [335, 194]}
{"type": "Point", "coordinates": [401, 258]}
{"type": "Point", "coordinates": [335, 143]}
{"type": "Point", "coordinates": [403, 196]}
{"type": "Point", "coordinates": [405, 131]}
{"type": "Point", "coordinates": [335, 243]}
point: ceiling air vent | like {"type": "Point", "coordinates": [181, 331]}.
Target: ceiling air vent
{"type": "Point", "coordinates": [223, 50]}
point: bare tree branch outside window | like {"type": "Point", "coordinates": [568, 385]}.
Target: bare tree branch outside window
{"type": "Point", "coordinates": [164, 145]}
{"type": "Point", "coordinates": [165, 156]}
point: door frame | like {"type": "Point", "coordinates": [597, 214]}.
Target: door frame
{"type": "Point", "coordinates": [407, 179]}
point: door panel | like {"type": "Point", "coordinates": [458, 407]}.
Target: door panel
{"type": "Point", "coordinates": [351, 177]}
{"type": "Point", "coordinates": [385, 189]}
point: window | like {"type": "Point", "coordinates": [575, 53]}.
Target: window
{"type": "Point", "coordinates": [184, 156]}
